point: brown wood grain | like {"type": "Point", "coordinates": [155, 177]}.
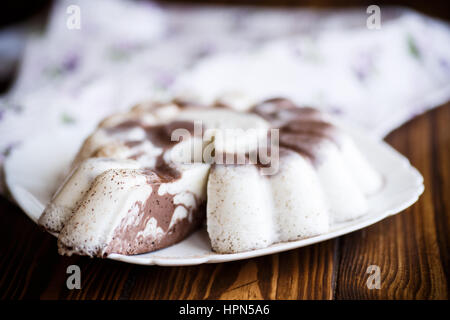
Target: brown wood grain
{"type": "Point", "coordinates": [411, 248]}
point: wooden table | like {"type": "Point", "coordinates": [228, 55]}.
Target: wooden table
{"type": "Point", "coordinates": [412, 250]}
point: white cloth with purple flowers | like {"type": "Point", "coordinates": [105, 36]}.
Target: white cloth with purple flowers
{"type": "Point", "coordinates": [126, 52]}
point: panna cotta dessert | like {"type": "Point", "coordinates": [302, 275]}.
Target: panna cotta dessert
{"type": "Point", "coordinates": [148, 178]}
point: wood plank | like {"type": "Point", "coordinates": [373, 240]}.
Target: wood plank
{"type": "Point", "coordinates": [289, 275]}
{"type": "Point", "coordinates": [408, 247]}
{"type": "Point", "coordinates": [26, 256]}
{"type": "Point", "coordinates": [440, 167]}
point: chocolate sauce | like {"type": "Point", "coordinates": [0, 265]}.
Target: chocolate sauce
{"type": "Point", "coordinates": [302, 129]}
{"type": "Point", "coordinates": [159, 136]}
{"type": "Point", "coordinates": [127, 238]}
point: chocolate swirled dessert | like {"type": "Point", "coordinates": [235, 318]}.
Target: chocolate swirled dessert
{"type": "Point", "coordinates": [146, 179]}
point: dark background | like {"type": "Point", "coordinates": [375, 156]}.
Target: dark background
{"type": "Point", "coordinates": [18, 10]}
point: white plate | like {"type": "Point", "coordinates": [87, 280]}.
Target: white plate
{"type": "Point", "coordinates": [35, 168]}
